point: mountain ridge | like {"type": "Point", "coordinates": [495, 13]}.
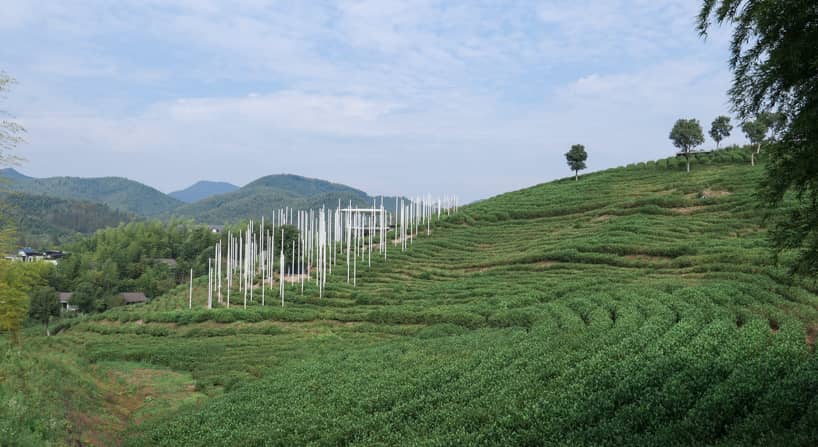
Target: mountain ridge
{"type": "Point", "coordinates": [210, 202]}
{"type": "Point", "coordinates": [202, 190]}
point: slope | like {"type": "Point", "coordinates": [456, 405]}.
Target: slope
{"type": "Point", "coordinates": [266, 194]}
{"type": "Point", "coordinates": [43, 221]}
{"type": "Point", "coordinates": [638, 306]}
{"type": "Point", "coordinates": [202, 190]}
{"type": "Point", "coordinates": [118, 193]}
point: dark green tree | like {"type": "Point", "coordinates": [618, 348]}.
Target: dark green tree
{"type": "Point", "coordinates": [576, 158]}
{"type": "Point", "coordinates": [755, 131]}
{"type": "Point", "coordinates": [686, 135]}
{"type": "Point", "coordinates": [774, 55]}
{"type": "Point", "coordinates": [44, 305]}
{"type": "Point", "coordinates": [85, 298]}
{"type": "Point", "coordinates": [720, 129]}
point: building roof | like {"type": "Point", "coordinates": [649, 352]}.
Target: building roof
{"type": "Point", "coordinates": [28, 251]}
{"type": "Point", "coordinates": [65, 297]}
{"type": "Point", "coordinates": [133, 297]}
{"type": "Point", "coordinates": [53, 254]}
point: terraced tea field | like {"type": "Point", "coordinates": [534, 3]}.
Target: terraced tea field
{"type": "Point", "coordinates": [638, 306]}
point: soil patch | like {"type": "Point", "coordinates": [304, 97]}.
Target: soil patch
{"type": "Point", "coordinates": [687, 209]}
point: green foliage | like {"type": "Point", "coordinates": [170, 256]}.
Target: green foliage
{"type": "Point", "coordinates": [686, 134]}
{"type": "Point", "coordinates": [49, 221]}
{"type": "Point", "coordinates": [127, 259]}
{"type": "Point", "coordinates": [266, 195]}
{"type": "Point", "coordinates": [118, 193]}
{"type": "Point", "coordinates": [576, 158]}
{"type": "Point", "coordinates": [774, 55]}
{"type": "Point", "coordinates": [755, 130]}
{"type": "Point", "coordinates": [85, 297]}
{"type": "Point", "coordinates": [17, 280]}
{"type": "Point", "coordinates": [44, 305]}
{"type": "Point", "coordinates": [720, 129]}
{"type": "Point", "coordinates": [639, 307]}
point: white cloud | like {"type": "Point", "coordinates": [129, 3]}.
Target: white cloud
{"type": "Point", "coordinates": [475, 97]}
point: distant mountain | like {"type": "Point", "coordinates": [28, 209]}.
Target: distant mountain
{"type": "Point", "coordinates": [46, 222]}
{"type": "Point", "coordinates": [118, 193]}
{"type": "Point", "coordinates": [210, 202]}
{"type": "Point", "coordinates": [202, 190]}
{"type": "Point", "coordinates": [13, 174]}
{"type": "Point", "coordinates": [268, 194]}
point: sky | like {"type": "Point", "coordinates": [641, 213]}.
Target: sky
{"type": "Point", "coordinates": [473, 97]}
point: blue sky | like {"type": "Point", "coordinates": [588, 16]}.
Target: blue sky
{"type": "Point", "coordinates": [472, 97]}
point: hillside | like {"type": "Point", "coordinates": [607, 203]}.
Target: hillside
{"type": "Point", "coordinates": [637, 306]}
{"type": "Point", "coordinates": [202, 190]}
{"type": "Point", "coordinates": [13, 174]}
{"type": "Point", "coordinates": [267, 194]}
{"type": "Point", "coordinates": [47, 222]}
{"type": "Point", "coordinates": [208, 202]}
{"type": "Point", "coordinates": [116, 192]}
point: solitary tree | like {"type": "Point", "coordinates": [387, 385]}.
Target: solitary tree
{"type": "Point", "coordinates": [686, 135]}
{"type": "Point", "coordinates": [773, 59]}
{"type": "Point", "coordinates": [576, 159]}
{"type": "Point", "coordinates": [44, 305]}
{"type": "Point", "coordinates": [755, 131]}
{"type": "Point", "coordinates": [720, 129]}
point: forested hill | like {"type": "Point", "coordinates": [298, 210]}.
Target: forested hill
{"type": "Point", "coordinates": [118, 193]}
{"type": "Point", "coordinates": [267, 194]}
{"type": "Point", "coordinates": [202, 190]}
{"type": "Point", "coordinates": [261, 197]}
{"type": "Point", "coordinates": [47, 222]}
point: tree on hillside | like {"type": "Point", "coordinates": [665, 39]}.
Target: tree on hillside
{"type": "Point", "coordinates": [17, 279]}
{"type": "Point", "coordinates": [774, 56]}
{"type": "Point", "coordinates": [576, 159]}
{"type": "Point", "coordinates": [13, 299]}
{"type": "Point", "coordinates": [720, 129]}
{"type": "Point", "coordinates": [755, 131]}
{"type": "Point", "coordinates": [13, 307]}
{"type": "Point", "coordinates": [44, 305]}
{"type": "Point", "coordinates": [686, 135]}
{"type": "Point", "coordinates": [85, 298]}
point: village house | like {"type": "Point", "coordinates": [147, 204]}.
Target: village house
{"type": "Point", "coordinates": [65, 301]}
{"type": "Point", "coordinates": [133, 298]}
{"type": "Point", "coordinates": [28, 254]}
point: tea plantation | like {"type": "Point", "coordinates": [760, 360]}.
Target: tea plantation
{"type": "Point", "coordinates": [637, 306]}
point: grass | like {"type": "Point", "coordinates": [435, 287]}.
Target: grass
{"type": "Point", "coordinates": [638, 306]}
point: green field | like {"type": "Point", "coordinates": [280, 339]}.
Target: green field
{"type": "Point", "coordinates": [638, 306]}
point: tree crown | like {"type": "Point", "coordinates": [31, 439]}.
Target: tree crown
{"type": "Point", "coordinates": [687, 134]}
{"type": "Point", "coordinates": [720, 128]}
{"type": "Point", "coordinates": [576, 157]}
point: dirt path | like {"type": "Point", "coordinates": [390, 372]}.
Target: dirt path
{"type": "Point", "coordinates": [128, 395]}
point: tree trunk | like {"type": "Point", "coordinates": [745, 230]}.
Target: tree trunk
{"type": "Point", "coordinates": [687, 159]}
{"type": "Point", "coordinates": [758, 148]}
{"type": "Point", "coordinates": [752, 159]}
{"type": "Point", "coordinates": [576, 175]}
{"type": "Point", "coordinates": [47, 332]}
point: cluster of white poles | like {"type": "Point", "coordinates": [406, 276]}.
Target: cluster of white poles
{"type": "Point", "coordinates": [244, 261]}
